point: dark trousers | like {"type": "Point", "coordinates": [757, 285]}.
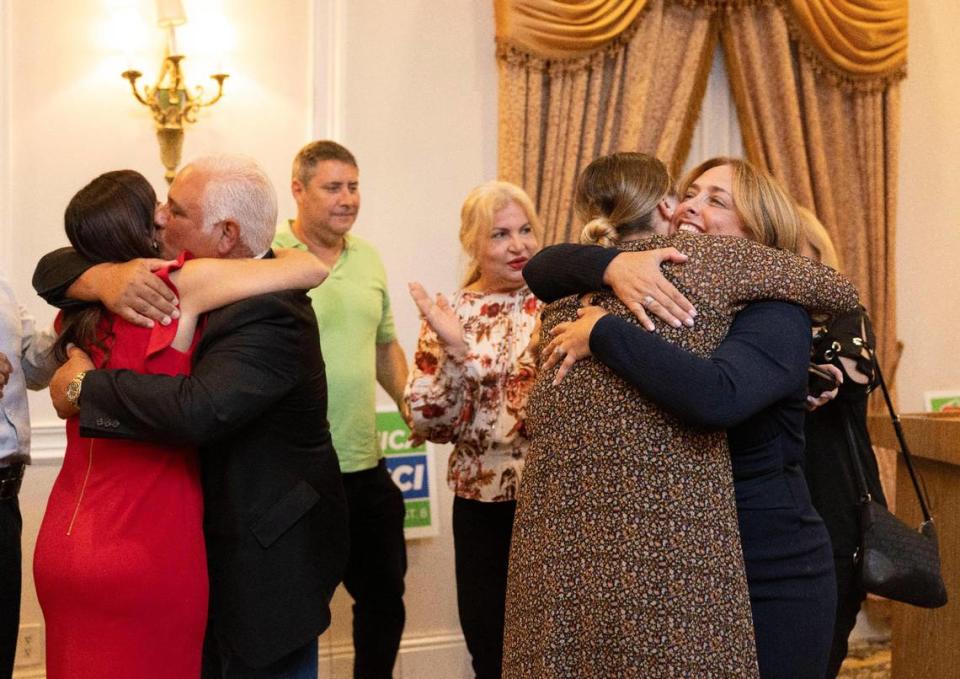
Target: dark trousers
{"type": "Point", "coordinates": [850, 595]}
{"type": "Point", "coordinates": [481, 540]}
{"type": "Point", "coordinates": [220, 663]}
{"type": "Point", "coordinates": [11, 526]}
{"type": "Point", "coordinates": [375, 570]}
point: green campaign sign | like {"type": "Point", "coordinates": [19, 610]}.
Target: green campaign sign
{"type": "Point", "coordinates": [943, 401]}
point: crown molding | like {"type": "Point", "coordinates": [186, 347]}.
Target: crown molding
{"type": "Point", "coordinates": [327, 68]}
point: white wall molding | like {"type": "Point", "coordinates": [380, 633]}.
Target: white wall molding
{"type": "Point", "coordinates": [48, 441]}
{"type": "Point", "coordinates": [328, 51]}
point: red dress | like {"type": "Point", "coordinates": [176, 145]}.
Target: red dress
{"type": "Point", "coordinates": [120, 564]}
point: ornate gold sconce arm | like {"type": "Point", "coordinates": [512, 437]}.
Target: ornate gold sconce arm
{"type": "Point", "coordinates": [172, 106]}
{"type": "Point", "coordinates": [133, 75]}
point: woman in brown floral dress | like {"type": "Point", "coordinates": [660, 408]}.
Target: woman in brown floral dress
{"type": "Point", "coordinates": [473, 369]}
{"type": "Point", "coordinates": [626, 559]}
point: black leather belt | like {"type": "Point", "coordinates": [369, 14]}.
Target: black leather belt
{"type": "Point", "coordinates": [10, 479]}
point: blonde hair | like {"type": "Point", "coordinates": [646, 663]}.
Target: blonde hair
{"type": "Point", "coordinates": [816, 236]}
{"type": "Point", "coordinates": [617, 194]}
{"type": "Point", "coordinates": [768, 212]}
{"type": "Point", "coordinates": [599, 231]}
{"type": "Point", "coordinates": [477, 215]}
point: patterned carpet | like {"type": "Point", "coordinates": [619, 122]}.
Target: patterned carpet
{"type": "Point", "coordinates": [870, 661]}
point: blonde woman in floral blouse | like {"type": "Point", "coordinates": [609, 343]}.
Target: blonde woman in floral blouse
{"type": "Point", "coordinates": [473, 368]}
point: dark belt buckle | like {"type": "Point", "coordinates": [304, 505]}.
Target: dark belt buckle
{"type": "Point", "coordinates": [10, 480]}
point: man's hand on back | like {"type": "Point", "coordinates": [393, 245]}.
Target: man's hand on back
{"type": "Point", "coordinates": [131, 290]}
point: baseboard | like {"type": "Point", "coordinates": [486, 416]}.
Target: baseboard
{"type": "Point", "coordinates": [433, 656]}
{"type": "Point", "coordinates": [409, 644]}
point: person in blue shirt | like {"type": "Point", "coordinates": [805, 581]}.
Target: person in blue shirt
{"type": "Point", "coordinates": [26, 362]}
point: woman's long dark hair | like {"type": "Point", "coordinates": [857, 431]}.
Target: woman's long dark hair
{"type": "Point", "coordinates": [108, 220]}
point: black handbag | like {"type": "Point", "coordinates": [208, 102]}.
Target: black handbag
{"type": "Point", "coordinates": [896, 561]}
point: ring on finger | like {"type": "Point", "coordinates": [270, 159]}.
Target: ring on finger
{"type": "Point", "coordinates": [647, 301]}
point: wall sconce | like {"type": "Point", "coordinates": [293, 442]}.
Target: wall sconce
{"type": "Point", "coordinates": [170, 101]}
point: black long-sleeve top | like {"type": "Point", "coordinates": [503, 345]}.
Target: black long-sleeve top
{"type": "Point", "coordinates": [56, 272]}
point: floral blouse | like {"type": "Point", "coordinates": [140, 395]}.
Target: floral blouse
{"type": "Point", "coordinates": [479, 402]}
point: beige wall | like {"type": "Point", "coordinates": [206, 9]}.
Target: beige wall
{"type": "Point", "coordinates": [413, 93]}
{"type": "Point", "coordinates": [928, 235]}
{"type": "Point", "coordinates": [419, 112]}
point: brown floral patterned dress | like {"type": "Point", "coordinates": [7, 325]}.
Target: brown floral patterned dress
{"type": "Point", "coordinates": [626, 557]}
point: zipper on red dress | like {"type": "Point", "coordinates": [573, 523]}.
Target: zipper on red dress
{"type": "Point", "coordinates": [83, 488]}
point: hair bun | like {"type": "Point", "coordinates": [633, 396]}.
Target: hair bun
{"type": "Point", "coordinates": [599, 231]}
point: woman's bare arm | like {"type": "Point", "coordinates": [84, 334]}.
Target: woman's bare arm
{"type": "Point", "coordinates": [206, 284]}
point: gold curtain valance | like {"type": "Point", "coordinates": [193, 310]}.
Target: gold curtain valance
{"type": "Point", "coordinates": [855, 39]}
{"type": "Point", "coordinates": [563, 29]}
{"type": "Point", "coordinates": [861, 39]}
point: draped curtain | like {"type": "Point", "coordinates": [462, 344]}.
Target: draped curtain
{"type": "Point", "coordinates": [832, 141]}
{"type": "Point", "coordinates": [630, 94]}
{"type": "Point", "coordinates": [815, 84]}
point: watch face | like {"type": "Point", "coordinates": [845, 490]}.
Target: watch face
{"type": "Point", "coordinates": [73, 389]}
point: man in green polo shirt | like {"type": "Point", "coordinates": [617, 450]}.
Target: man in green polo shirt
{"type": "Point", "coordinates": [360, 349]}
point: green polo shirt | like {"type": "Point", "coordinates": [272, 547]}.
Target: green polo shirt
{"type": "Point", "coordinates": [353, 312]}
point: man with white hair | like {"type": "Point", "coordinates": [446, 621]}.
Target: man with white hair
{"type": "Point", "coordinates": [255, 404]}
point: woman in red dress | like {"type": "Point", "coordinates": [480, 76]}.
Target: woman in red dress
{"type": "Point", "coordinates": [120, 564]}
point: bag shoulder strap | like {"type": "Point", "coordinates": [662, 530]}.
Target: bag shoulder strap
{"type": "Point", "coordinates": [904, 449]}
{"type": "Point", "coordinates": [859, 475]}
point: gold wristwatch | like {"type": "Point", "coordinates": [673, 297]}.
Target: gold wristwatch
{"type": "Point", "coordinates": [73, 389]}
